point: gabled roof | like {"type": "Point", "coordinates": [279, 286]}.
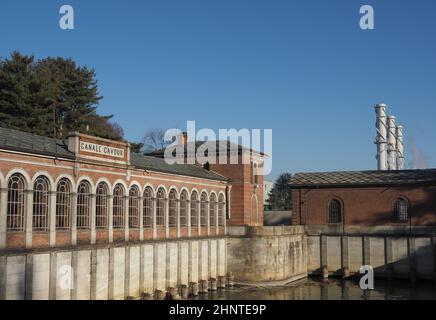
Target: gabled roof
{"type": "Point", "coordinates": [218, 145]}
{"type": "Point", "coordinates": [363, 178]}
{"type": "Point", "coordinates": [11, 139]}
{"type": "Point", "coordinates": [158, 164]}
{"type": "Point", "coordinates": [15, 140]}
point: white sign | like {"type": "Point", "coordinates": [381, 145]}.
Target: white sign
{"type": "Point", "coordinates": [100, 149]}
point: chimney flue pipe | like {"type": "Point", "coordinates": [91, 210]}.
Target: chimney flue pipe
{"type": "Point", "coordinates": [392, 144]}
{"type": "Point", "coordinates": [381, 138]}
{"type": "Point", "coordinates": [400, 148]}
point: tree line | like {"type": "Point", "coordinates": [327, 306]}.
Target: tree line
{"type": "Point", "coordinates": [51, 97]}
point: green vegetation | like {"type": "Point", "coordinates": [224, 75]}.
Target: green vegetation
{"type": "Point", "coordinates": [51, 97]}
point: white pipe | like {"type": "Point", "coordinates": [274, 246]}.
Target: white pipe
{"type": "Point", "coordinates": [381, 140]}
{"type": "Point", "coordinates": [400, 148]}
{"type": "Point", "coordinates": [392, 144]}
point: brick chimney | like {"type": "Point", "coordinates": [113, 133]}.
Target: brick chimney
{"type": "Point", "coordinates": [182, 138]}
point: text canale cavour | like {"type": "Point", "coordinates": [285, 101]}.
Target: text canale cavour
{"type": "Point", "coordinates": [100, 149]}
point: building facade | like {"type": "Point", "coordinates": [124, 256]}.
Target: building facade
{"type": "Point", "coordinates": [115, 223]}
{"type": "Point", "coordinates": [346, 201]}
{"type": "Point", "coordinates": [89, 190]}
{"type": "Point", "coordinates": [242, 166]}
{"type": "Point", "coordinates": [385, 219]}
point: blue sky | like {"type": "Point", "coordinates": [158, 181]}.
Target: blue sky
{"type": "Point", "coordinates": [301, 68]}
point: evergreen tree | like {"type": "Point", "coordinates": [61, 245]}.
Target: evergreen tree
{"type": "Point", "coordinates": [279, 198]}
{"type": "Point", "coordinates": [51, 97]}
{"type": "Point", "coordinates": [18, 92]}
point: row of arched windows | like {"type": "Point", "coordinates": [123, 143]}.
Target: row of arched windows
{"type": "Point", "coordinates": [64, 204]}
{"type": "Point", "coordinates": [401, 211]}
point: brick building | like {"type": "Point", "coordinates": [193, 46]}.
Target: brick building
{"type": "Point", "coordinates": [369, 201]}
{"type": "Point", "coordinates": [243, 167]}
{"type": "Point", "coordinates": [86, 190]}
{"type": "Point", "coordinates": [125, 224]}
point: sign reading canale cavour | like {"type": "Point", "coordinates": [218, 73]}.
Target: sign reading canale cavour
{"type": "Point", "coordinates": [100, 149]}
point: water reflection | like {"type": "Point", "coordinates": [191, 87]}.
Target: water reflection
{"type": "Point", "coordinates": [331, 289]}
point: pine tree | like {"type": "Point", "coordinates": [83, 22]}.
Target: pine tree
{"type": "Point", "coordinates": [18, 88]}
{"type": "Point", "coordinates": [279, 198]}
{"type": "Point", "coordinates": [51, 96]}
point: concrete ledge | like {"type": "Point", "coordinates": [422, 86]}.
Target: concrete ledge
{"type": "Point", "coordinates": [276, 283]}
{"type": "Point", "coordinates": [247, 231]}
{"type": "Point", "coordinates": [391, 230]}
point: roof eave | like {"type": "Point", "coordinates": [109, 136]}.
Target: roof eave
{"type": "Point", "coordinates": [363, 185]}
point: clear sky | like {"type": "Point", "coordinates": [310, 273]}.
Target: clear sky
{"type": "Point", "coordinates": [301, 68]}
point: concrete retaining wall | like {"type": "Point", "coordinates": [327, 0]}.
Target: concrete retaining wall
{"type": "Point", "coordinates": [400, 256]}
{"type": "Point", "coordinates": [258, 254]}
{"type": "Point", "coordinates": [109, 272]}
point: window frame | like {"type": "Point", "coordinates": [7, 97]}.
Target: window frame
{"type": "Point", "coordinates": [194, 209]}
{"type": "Point", "coordinates": [212, 210]}
{"type": "Point", "coordinates": [16, 202]}
{"type": "Point", "coordinates": [340, 217]}
{"type": "Point", "coordinates": [102, 203]}
{"type": "Point", "coordinates": [134, 203]}
{"type": "Point", "coordinates": [83, 213]}
{"type": "Point", "coordinates": [148, 205]}
{"type": "Point", "coordinates": [221, 211]}
{"type": "Point", "coordinates": [64, 204]}
{"type": "Point", "coordinates": [161, 207]}
{"type": "Point", "coordinates": [172, 208]}
{"type": "Point", "coordinates": [118, 207]}
{"type": "Point", "coordinates": [183, 208]}
{"type": "Point", "coordinates": [203, 209]}
{"type": "Point", "coordinates": [397, 214]}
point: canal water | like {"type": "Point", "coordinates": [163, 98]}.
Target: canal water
{"type": "Point", "coordinates": [331, 289]}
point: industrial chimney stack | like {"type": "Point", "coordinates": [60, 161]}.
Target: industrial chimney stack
{"type": "Point", "coordinates": [381, 138]}
{"type": "Point", "coordinates": [389, 141]}
{"type": "Point", "coordinates": [400, 148]}
{"type": "Point", "coordinates": [392, 144]}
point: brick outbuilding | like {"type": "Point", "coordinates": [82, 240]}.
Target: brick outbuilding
{"type": "Point", "coordinates": [368, 201]}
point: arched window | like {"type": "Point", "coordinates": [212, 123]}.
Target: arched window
{"type": "Point", "coordinates": [118, 207]}
{"type": "Point", "coordinates": [83, 204]}
{"type": "Point", "coordinates": [134, 207]}
{"type": "Point", "coordinates": [203, 209]}
{"type": "Point", "coordinates": [102, 206]}
{"type": "Point", "coordinates": [255, 173]}
{"type": "Point", "coordinates": [172, 214]}
{"type": "Point", "coordinates": [212, 210]}
{"type": "Point", "coordinates": [254, 210]}
{"type": "Point", "coordinates": [63, 204]}
{"type": "Point", "coordinates": [335, 211]}
{"type": "Point", "coordinates": [194, 209]}
{"type": "Point", "coordinates": [160, 207]}
{"type": "Point", "coordinates": [16, 202]}
{"type": "Point", "coordinates": [221, 211]}
{"type": "Point", "coordinates": [148, 207]}
{"type": "Point", "coordinates": [41, 190]}
{"type": "Point", "coordinates": [401, 210]}
{"type": "Point", "coordinates": [184, 209]}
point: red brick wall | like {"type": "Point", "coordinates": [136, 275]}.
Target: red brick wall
{"type": "Point", "coordinates": [242, 192]}
{"type": "Point", "coordinates": [365, 206]}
